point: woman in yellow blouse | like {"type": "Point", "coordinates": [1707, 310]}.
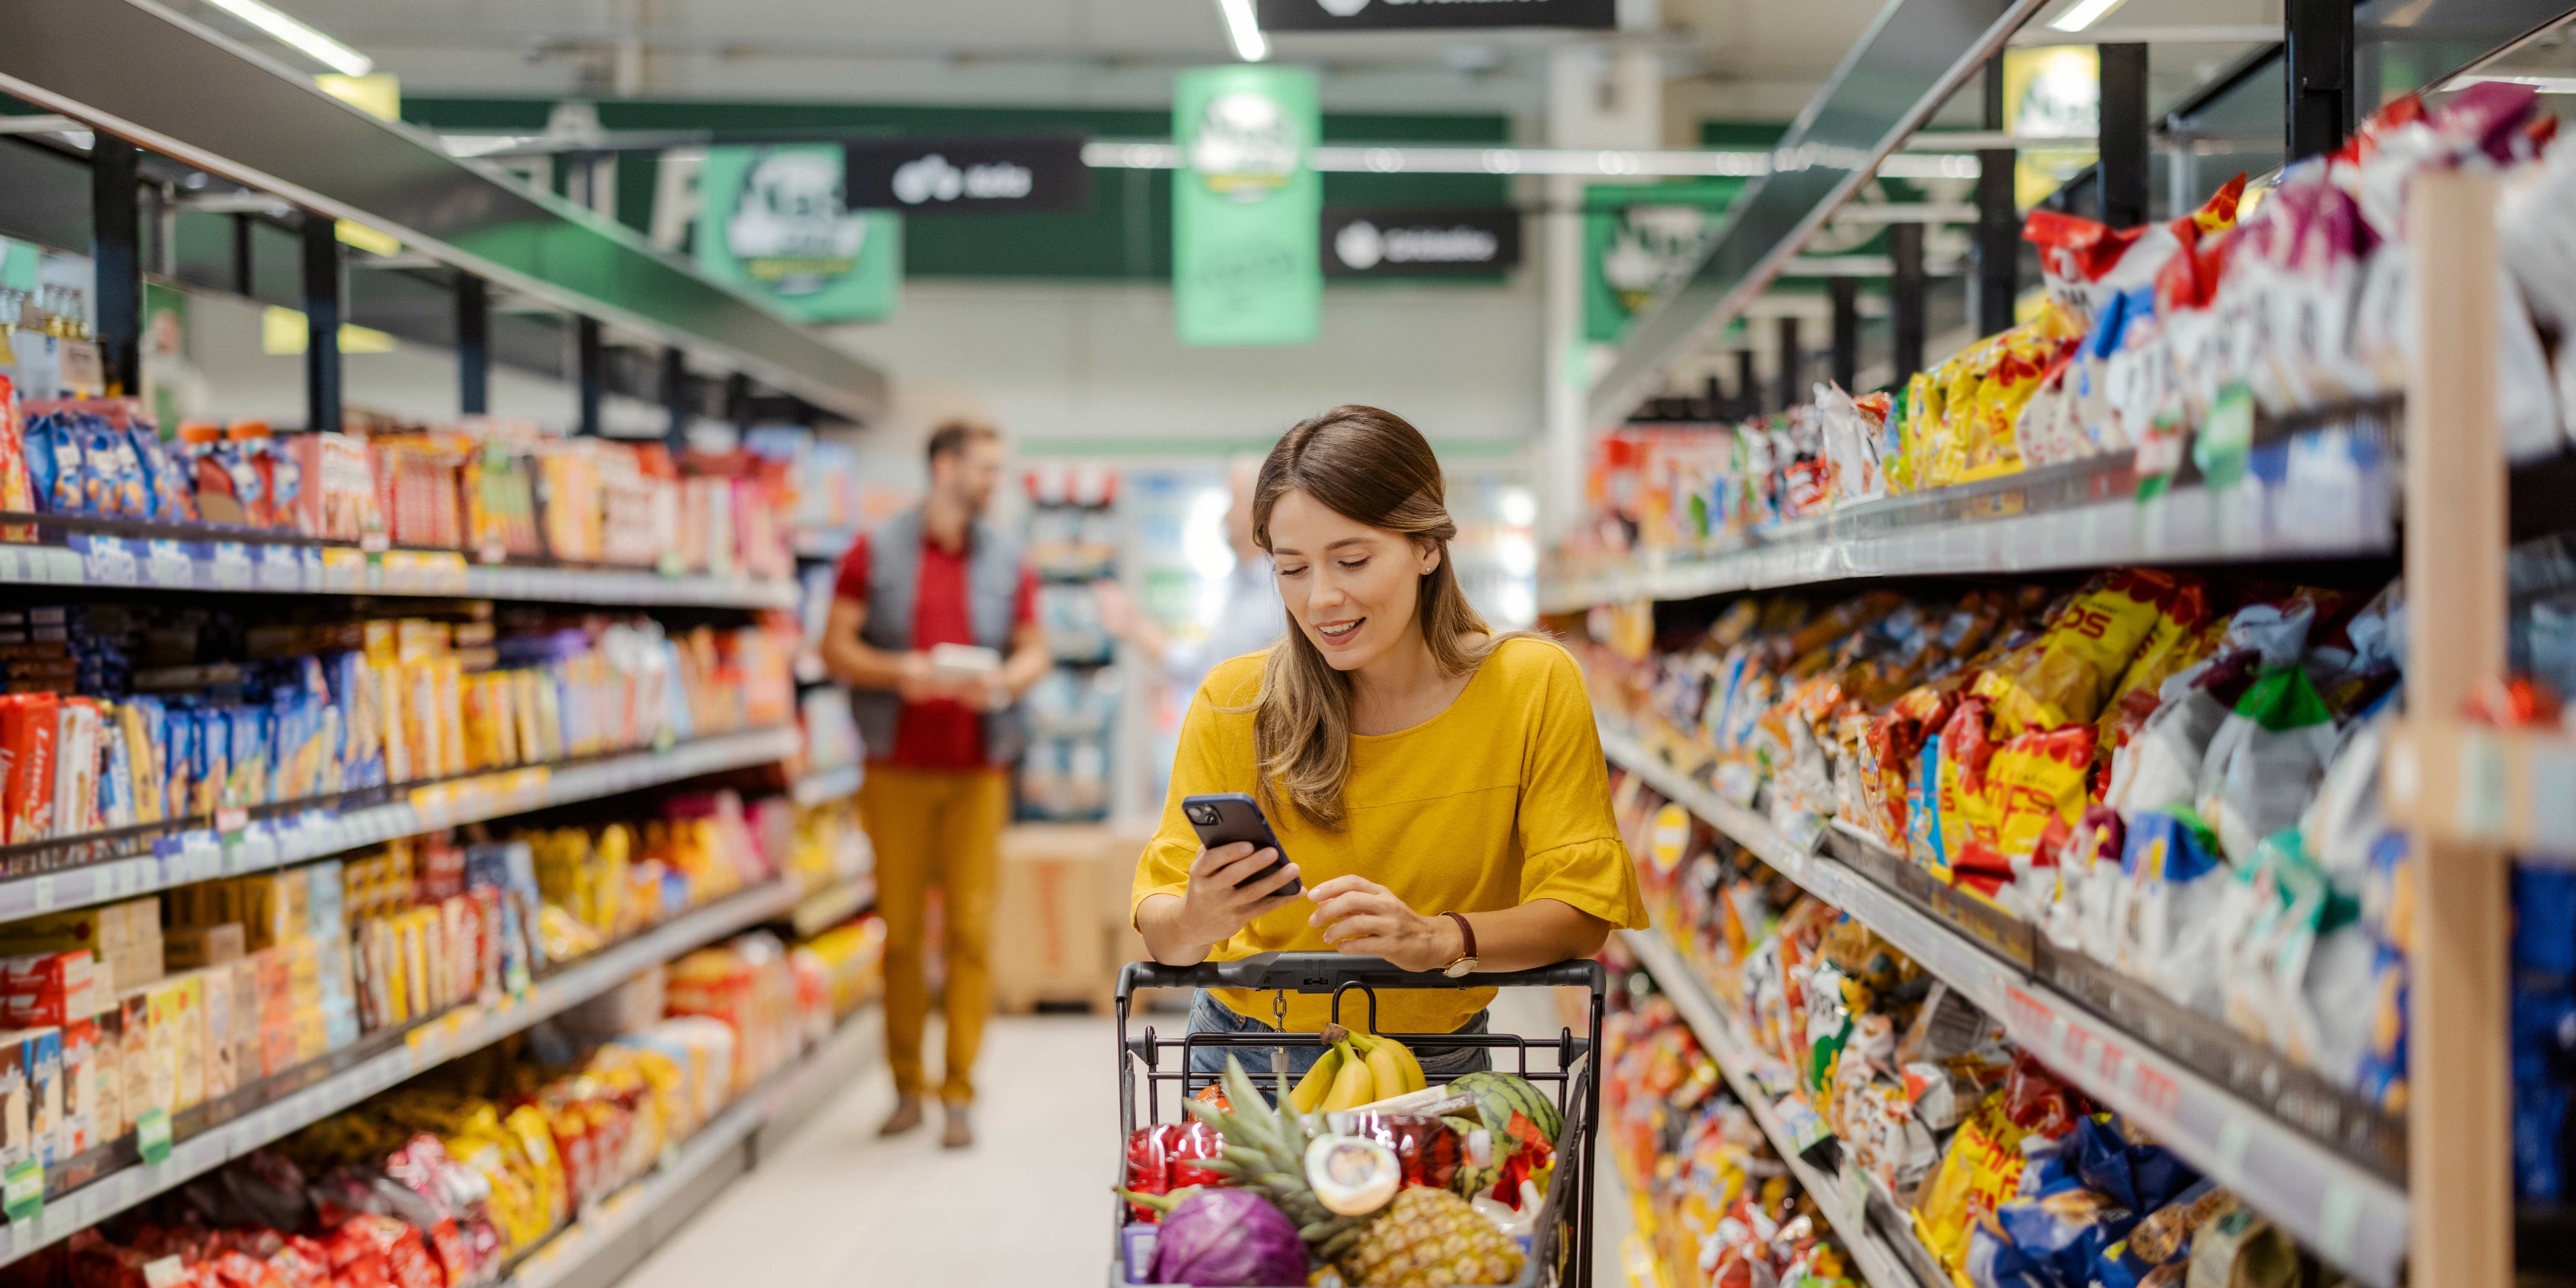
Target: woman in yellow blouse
{"type": "Point", "coordinates": [1439, 790]}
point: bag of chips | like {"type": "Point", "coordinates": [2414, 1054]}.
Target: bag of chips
{"type": "Point", "coordinates": [2085, 650]}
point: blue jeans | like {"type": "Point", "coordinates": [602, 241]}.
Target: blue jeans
{"type": "Point", "coordinates": [1207, 1015]}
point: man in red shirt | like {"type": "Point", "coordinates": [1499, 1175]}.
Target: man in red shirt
{"type": "Point", "coordinates": [941, 736]}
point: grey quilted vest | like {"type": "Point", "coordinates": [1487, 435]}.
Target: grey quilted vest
{"type": "Point", "coordinates": [894, 581]}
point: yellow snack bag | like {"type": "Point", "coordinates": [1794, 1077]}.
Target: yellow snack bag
{"type": "Point", "coordinates": [2081, 654]}
{"type": "Point", "coordinates": [1982, 1168]}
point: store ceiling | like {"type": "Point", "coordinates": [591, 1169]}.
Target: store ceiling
{"type": "Point", "coordinates": [1727, 59]}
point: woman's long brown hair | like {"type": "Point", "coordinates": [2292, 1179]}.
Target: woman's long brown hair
{"type": "Point", "coordinates": [1372, 467]}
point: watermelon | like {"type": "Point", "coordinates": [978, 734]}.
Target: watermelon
{"type": "Point", "coordinates": [1480, 1165]}
{"type": "Point", "coordinates": [1500, 1095]}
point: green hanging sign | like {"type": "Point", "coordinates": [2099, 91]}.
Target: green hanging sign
{"type": "Point", "coordinates": [1245, 204]}
{"type": "Point", "coordinates": [776, 221]}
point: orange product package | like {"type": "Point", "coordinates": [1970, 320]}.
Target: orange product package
{"type": "Point", "coordinates": [1966, 813]}
{"type": "Point", "coordinates": [2086, 647]}
{"type": "Point", "coordinates": [29, 725]}
{"type": "Point", "coordinates": [2034, 781]}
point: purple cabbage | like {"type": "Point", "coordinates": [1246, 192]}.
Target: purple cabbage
{"type": "Point", "coordinates": [1220, 1238]}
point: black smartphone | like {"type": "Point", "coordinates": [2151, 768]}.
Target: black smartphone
{"type": "Point", "coordinates": [1223, 818]}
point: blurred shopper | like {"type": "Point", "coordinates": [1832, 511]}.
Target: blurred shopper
{"type": "Point", "coordinates": [941, 740]}
{"type": "Point", "coordinates": [1248, 621]}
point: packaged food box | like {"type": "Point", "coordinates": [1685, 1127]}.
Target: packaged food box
{"type": "Point", "coordinates": [190, 947]}
{"type": "Point", "coordinates": [214, 990]}
{"type": "Point", "coordinates": [17, 1106]}
{"type": "Point", "coordinates": [179, 1009]}
{"type": "Point", "coordinates": [135, 967]}
{"type": "Point", "coordinates": [52, 989]}
{"type": "Point", "coordinates": [89, 1088]}
{"type": "Point", "coordinates": [149, 1065]}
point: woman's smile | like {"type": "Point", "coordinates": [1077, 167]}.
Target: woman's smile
{"type": "Point", "coordinates": [1339, 633]}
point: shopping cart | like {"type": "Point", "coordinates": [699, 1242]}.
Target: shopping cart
{"type": "Point", "coordinates": [1561, 1247]}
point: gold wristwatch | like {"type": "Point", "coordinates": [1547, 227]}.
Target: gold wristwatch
{"type": "Point", "coordinates": [1466, 963]}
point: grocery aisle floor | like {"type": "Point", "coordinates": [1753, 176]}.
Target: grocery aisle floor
{"type": "Point", "coordinates": [835, 1207]}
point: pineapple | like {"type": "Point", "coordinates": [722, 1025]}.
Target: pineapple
{"type": "Point", "coordinates": [1265, 1150]}
{"type": "Point", "coordinates": [1430, 1238]}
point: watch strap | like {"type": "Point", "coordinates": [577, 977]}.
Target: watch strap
{"type": "Point", "coordinates": [1466, 934]}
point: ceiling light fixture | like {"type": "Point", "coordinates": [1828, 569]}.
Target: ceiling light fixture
{"type": "Point", "coordinates": [295, 35]}
{"type": "Point", "coordinates": [2084, 14]}
{"type": "Point", "coordinates": [1244, 30]}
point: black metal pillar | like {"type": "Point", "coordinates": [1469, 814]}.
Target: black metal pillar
{"type": "Point", "coordinates": [1846, 297]}
{"type": "Point", "coordinates": [1998, 218]}
{"type": "Point", "coordinates": [2317, 48]}
{"type": "Point", "coordinates": [1792, 368]}
{"type": "Point", "coordinates": [1905, 298]}
{"type": "Point", "coordinates": [1748, 387]}
{"type": "Point", "coordinates": [675, 397]}
{"type": "Point", "coordinates": [590, 362]}
{"type": "Point", "coordinates": [321, 259]}
{"type": "Point", "coordinates": [738, 399]}
{"type": "Point", "coordinates": [473, 346]}
{"type": "Point", "coordinates": [2123, 168]}
{"type": "Point", "coordinates": [116, 254]}
{"type": "Point", "coordinates": [245, 264]}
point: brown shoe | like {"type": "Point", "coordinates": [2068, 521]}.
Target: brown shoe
{"type": "Point", "coordinates": [906, 1116]}
{"type": "Point", "coordinates": [958, 1134]}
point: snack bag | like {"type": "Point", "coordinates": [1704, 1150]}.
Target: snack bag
{"type": "Point", "coordinates": [1964, 812]}
{"type": "Point", "coordinates": [2036, 784]}
{"type": "Point", "coordinates": [2082, 654]}
{"type": "Point", "coordinates": [2264, 763]}
{"type": "Point", "coordinates": [17, 483]}
{"type": "Point", "coordinates": [2175, 885]}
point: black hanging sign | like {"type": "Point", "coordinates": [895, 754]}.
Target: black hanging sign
{"type": "Point", "coordinates": [968, 175]}
{"type": "Point", "coordinates": [1380, 15]}
{"type": "Point", "coordinates": [1420, 241]}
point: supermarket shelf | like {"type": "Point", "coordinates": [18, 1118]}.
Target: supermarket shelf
{"type": "Point", "coordinates": [302, 830]}
{"type": "Point", "coordinates": [2337, 1205]}
{"type": "Point", "coordinates": [610, 1238]}
{"type": "Point", "coordinates": [1878, 1256]}
{"type": "Point", "coordinates": [2323, 487]}
{"type": "Point", "coordinates": [828, 785]}
{"type": "Point", "coordinates": [2509, 788]}
{"type": "Point", "coordinates": [126, 554]}
{"type": "Point", "coordinates": [832, 905]}
{"type": "Point", "coordinates": [458, 1031]}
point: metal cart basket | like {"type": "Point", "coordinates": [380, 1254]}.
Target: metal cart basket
{"type": "Point", "coordinates": [1149, 1065]}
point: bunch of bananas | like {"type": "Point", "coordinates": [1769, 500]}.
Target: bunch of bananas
{"type": "Point", "coordinates": [1360, 1069]}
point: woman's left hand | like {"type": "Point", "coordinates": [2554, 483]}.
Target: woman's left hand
{"type": "Point", "coordinates": [1360, 916]}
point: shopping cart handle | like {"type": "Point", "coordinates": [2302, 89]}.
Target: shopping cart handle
{"type": "Point", "coordinates": [1325, 972]}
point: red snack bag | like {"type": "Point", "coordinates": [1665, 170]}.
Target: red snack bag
{"type": "Point", "coordinates": [28, 724]}
{"type": "Point", "coordinates": [1160, 1160]}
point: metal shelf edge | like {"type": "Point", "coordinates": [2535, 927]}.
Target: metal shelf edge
{"type": "Point", "coordinates": [131, 876]}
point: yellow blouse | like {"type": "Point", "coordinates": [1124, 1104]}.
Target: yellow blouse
{"type": "Point", "coordinates": [1501, 799]}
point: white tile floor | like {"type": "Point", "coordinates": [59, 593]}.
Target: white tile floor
{"type": "Point", "coordinates": [1027, 1207]}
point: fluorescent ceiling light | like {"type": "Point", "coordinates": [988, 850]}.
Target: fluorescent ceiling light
{"type": "Point", "coordinates": [2084, 14]}
{"type": "Point", "coordinates": [295, 35]}
{"type": "Point", "coordinates": [1244, 30]}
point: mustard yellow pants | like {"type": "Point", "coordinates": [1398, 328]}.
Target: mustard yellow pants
{"type": "Point", "coordinates": [936, 827]}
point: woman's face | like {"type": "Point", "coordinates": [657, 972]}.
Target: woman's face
{"type": "Point", "coordinates": [1353, 589]}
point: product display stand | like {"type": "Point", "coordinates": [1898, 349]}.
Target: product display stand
{"type": "Point", "coordinates": [615, 1235]}
{"type": "Point", "coordinates": [367, 1070]}
{"type": "Point", "coordinates": [1868, 1222]}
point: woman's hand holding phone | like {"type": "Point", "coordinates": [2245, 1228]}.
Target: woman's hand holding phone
{"type": "Point", "coordinates": [1223, 896]}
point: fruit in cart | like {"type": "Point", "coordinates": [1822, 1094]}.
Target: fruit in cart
{"type": "Point", "coordinates": [1353, 1087]}
{"type": "Point", "coordinates": [1228, 1238]}
{"type": "Point", "coordinates": [1308, 1096]}
{"type": "Point", "coordinates": [1428, 1238]}
{"type": "Point", "coordinates": [1386, 1068]}
{"type": "Point", "coordinates": [1352, 1175]}
{"type": "Point", "coordinates": [1500, 1095]}
{"type": "Point", "coordinates": [1265, 1150]}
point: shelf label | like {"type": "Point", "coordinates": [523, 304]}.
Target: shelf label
{"type": "Point", "coordinates": [170, 566]}
{"type": "Point", "coordinates": [231, 821]}
{"type": "Point", "coordinates": [232, 566]}
{"type": "Point", "coordinates": [44, 892]}
{"type": "Point", "coordinates": [152, 1136]}
{"type": "Point", "coordinates": [22, 1191]}
{"type": "Point", "coordinates": [2481, 793]}
{"type": "Point", "coordinates": [168, 1272]}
